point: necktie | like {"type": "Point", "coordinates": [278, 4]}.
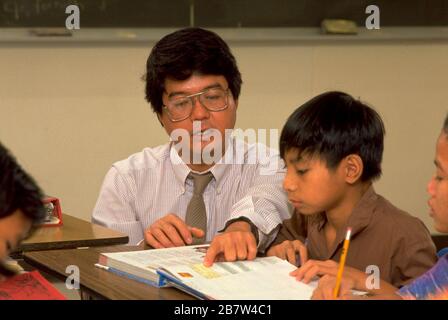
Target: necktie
{"type": "Point", "coordinates": [196, 215]}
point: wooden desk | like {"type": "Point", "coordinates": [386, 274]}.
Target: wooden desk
{"type": "Point", "coordinates": [73, 233]}
{"type": "Point", "coordinates": [98, 282]}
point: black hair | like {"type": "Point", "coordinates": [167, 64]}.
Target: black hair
{"type": "Point", "coordinates": [180, 54]}
{"type": "Point", "coordinates": [334, 125]}
{"type": "Point", "coordinates": [18, 191]}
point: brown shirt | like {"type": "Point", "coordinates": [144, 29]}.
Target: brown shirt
{"type": "Point", "coordinates": [382, 235]}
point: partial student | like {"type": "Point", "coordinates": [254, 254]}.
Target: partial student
{"type": "Point", "coordinates": [21, 206]}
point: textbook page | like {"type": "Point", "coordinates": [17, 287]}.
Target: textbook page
{"type": "Point", "coordinates": [146, 262]}
{"type": "Point", "coordinates": [162, 257]}
{"type": "Point", "coordinates": [263, 278]}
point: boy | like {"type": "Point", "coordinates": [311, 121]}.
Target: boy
{"type": "Point", "coordinates": [333, 147]}
{"type": "Point", "coordinates": [434, 283]}
{"type": "Point", "coordinates": [20, 206]}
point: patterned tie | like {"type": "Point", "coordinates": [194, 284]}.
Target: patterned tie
{"type": "Point", "coordinates": [196, 215]}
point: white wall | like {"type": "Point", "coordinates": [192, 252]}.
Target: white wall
{"type": "Point", "coordinates": [68, 112]}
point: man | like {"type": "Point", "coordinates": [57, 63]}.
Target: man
{"type": "Point", "coordinates": [188, 190]}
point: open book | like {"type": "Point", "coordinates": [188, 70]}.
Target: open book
{"type": "Point", "coordinates": [263, 278]}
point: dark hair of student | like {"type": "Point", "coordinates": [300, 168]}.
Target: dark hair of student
{"type": "Point", "coordinates": [334, 125]}
{"type": "Point", "coordinates": [445, 125]}
{"type": "Point", "coordinates": [18, 191]}
{"type": "Point", "coordinates": [184, 52]}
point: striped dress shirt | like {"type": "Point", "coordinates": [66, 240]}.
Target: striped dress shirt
{"type": "Point", "coordinates": [154, 182]}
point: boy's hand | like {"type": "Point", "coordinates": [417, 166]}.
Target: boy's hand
{"type": "Point", "coordinates": [171, 231]}
{"type": "Point", "coordinates": [287, 250]}
{"type": "Point", "coordinates": [236, 243]}
{"type": "Point", "coordinates": [313, 268]}
{"type": "Point", "coordinates": [326, 285]}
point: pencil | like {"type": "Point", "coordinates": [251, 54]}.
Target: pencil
{"type": "Point", "coordinates": [342, 263]}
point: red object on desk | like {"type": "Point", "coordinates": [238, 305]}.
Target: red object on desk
{"type": "Point", "coordinates": [29, 286]}
{"type": "Point", "coordinates": [56, 216]}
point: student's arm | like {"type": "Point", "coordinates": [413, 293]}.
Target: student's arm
{"type": "Point", "coordinates": [327, 269]}
{"type": "Point", "coordinates": [290, 241]}
{"type": "Point", "coordinates": [114, 208]}
{"type": "Point", "coordinates": [324, 290]}
{"type": "Point", "coordinates": [292, 229]}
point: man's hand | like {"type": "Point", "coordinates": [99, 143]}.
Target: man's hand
{"type": "Point", "coordinates": [236, 243]}
{"type": "Point", "coordinates": [171, 231]}
{"type": "Point", "coordinates": [287, 250]}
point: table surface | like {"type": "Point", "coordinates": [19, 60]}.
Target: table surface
{"type": "Point", "coordinates": [73, 233]}
{"type": "Point", "coordinates": [98, 282]}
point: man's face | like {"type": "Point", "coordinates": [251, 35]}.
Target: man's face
{"type": "Point", "coordinates": [312, 188]}
{"type": "Point", "coordinates": [13, 229]}
{"type": "Point", "coordinates": [219, 120]}
{"type": "Point", "coordinates": [438, 186]}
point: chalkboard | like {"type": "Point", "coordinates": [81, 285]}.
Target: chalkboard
{"type": "Point", "coordinates": [219, 13]}
{"type": "Point", "coordinates": [96, 13]}
{"type": "Point", "coordinates": [310, 13]}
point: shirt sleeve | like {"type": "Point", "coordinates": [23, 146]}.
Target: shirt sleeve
{"type": "Point", "coordinates": [432, 285]}
{"type": "Point", "coordinates": [291, 229]}
{"type": "Point", "coordinates": [115, 208]}
{"type": "Point", "coordinates": [415, 254]}
{"type": "Point", "coordinates": [265, 204]}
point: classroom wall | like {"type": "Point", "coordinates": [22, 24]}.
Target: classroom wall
{"type": "Point", "coordinates": [68, 112]}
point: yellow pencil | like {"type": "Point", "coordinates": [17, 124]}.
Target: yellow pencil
{"type": "Point", "coordinates": [342, 263]}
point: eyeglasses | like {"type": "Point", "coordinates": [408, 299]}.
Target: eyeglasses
{"type": "Point", "coordinates": [213, 99]}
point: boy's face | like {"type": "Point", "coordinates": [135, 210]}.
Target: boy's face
{"type": "Point", "coordinates": [312, 187]}
{"type": "Point", "coordinates": [219, 120]}
{"type": "Point", "coordinates": [13, 229]}
{"type": "Point", "coordinates": [438, 186]}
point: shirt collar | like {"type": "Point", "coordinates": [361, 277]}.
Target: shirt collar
{"type": "Point", "coordinates": [359, 219]}
{"type": "Point", "coordinates": [218, 171]}
{"type": "Point", "coordinates": [361, 214]}
{"type": "Point", "coordinates": [181, 170]}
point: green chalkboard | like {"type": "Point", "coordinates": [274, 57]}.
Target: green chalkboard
{"type": "Point", "coordinates": [219, 13]}
{"type": "Point", "coordinates": [96, 13]}
{"type": "Point", "coordinates": [310, 13]}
